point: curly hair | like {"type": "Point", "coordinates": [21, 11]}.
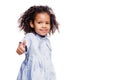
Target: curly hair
{"type": "Point", "coordinates": [29, 15]}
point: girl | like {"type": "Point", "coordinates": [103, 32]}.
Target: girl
{"type": "Point", "coordinates": [37, 22]}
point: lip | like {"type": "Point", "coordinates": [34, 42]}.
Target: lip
{"type": "Point", "coordinates": [43, 30]}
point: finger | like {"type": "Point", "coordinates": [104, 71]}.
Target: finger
{"type": "Point", "coordinates": [18, 52]}
{"type": "Point", "coordinates": [19, 44]}
{"type": "Point", "coordinates": [24, 43]}
{"type": "Point", "coordinates": [21, 48]}
{"type": "Point", "coordinates": [21, 51]}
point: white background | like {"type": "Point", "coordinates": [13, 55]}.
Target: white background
{"type": "Point", "coordinates": [87, 47]}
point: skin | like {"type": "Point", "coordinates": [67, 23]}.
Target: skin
{"type": "Point", "coordinates": [41, 26]}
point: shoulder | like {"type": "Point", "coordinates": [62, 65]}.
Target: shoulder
{"type": "Point", "coordinates": [48, 41]}
{"type": "Point", "coordinates": [29, 35]}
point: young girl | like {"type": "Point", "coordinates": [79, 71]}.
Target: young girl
{"type": "Point", "coordinates": [37, 22]}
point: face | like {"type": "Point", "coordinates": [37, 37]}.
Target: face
{"type": "Point", "coordinates": [41, 24]}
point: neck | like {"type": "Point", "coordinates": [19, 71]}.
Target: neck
{"type": "Point", "coordinates": [42, 35]}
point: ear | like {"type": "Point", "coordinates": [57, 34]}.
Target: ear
{"type": "Point", "coordinates": [31, 24]}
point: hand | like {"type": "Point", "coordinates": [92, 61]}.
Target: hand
{"type": "Point", "coordinates": [21, 47]}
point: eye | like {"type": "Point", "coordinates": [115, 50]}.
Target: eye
{"type": "Point", "coordinates": [39, 22]}
{"type": "Point", "coordinates": [47, 23]}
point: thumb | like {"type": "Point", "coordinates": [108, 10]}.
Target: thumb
{"type": "Point", "coordinates": [24, 43]}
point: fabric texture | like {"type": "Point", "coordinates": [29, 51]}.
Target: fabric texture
{"type": "Point", "coordinates": [37, 64]}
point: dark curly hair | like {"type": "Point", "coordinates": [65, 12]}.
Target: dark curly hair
{"type": "Point", "coordinates": [29, 15]}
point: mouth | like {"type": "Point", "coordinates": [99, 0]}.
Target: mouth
{"type": "Point", "coordinates": [44, 30]}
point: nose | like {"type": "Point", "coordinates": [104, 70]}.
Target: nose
{"type": "Point", "coordinates": [43, 25]}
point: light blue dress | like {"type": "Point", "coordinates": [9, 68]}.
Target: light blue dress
{"type": "Point", "coordinates": [37, 64]}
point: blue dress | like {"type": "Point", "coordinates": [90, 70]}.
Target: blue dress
{"type": "Point", "coordinates": [37, 64]}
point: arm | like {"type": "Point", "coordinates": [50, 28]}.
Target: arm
{"type": "Point", "coordinates": [23, 46]}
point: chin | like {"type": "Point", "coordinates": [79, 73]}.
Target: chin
{"type": "Point", "coordinates": [43, 34]}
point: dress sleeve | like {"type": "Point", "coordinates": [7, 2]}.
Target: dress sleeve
{"type": "Point", "coordinates": [49, 44]}
{"type": "Point", "coordinates": [27, 38]}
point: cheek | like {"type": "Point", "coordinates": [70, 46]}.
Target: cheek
{"type": "Point", "coordinates": [48, 27]}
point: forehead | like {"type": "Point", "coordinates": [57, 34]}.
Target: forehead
{"type": "Point", "coordinates": [42, 16]}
